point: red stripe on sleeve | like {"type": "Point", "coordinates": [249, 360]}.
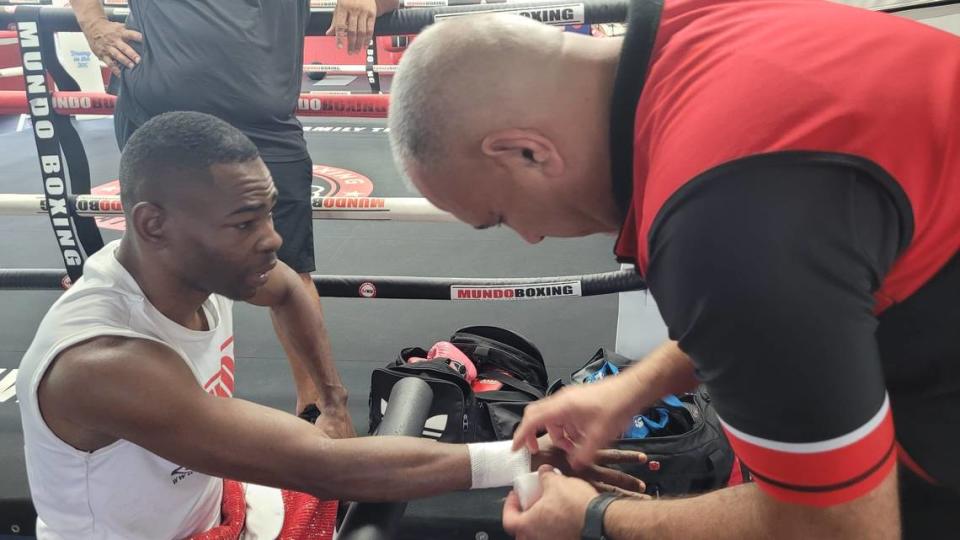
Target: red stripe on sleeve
{"type": "Point", "coordinates": [821, 476]}
{"type": "Point", "coordinates": [824, 499]}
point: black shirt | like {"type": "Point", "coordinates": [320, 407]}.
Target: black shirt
{"type": "Point", "coordinates": [240, 60]}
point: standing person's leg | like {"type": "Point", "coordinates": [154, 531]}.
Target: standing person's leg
{"type": "Point", "coordinates": [292, 216]}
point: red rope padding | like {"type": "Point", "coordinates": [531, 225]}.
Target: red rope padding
{"type": "Point", "coordinates": [353, 106]}
{"type": "Point", "coordinates": [307, 518]}
{"type": "Point", "coordinates": [13, 102]}
{"type": "Point", "coordinates": [233, 512]}
{"type": "Point", "coordinates": [304, 516]}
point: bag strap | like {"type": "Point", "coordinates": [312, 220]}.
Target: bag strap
{"type": "Point", "coordinates": [488, 356]}
{"type": "Point", "coordinates": [513, 382]}
{"type": "Point", "coordinates": [489, 348]}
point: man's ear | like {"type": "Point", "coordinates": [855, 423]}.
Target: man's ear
{"type": "Point", "coordinates": [149, 223]}
{"type": "Point", "coordinates": [518, 147]}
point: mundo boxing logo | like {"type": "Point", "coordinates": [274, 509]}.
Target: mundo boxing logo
{"type": "Point", "coordinates": [531, 291]}
{"type": "Point", "coordinates": [560, 15]}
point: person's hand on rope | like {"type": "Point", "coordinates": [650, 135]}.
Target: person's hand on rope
{"type": "Point", "coordinates": [110, 41]}
{"type": "Point", "coordinates": [354, 20]}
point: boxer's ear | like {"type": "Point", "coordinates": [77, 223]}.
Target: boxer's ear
{"type": "Point", "coordinates": [148, 222]}
{"type": "Point", "coordinates": [523, 148]}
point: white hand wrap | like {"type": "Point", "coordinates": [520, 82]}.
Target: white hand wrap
{"type": "Point", "coordinates": [493, 464]}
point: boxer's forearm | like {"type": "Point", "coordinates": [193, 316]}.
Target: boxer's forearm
{"type": "Point", "coordinates": [299, 323]}
{"type": "Point", "coordinates": [392, 469]}
{"type": "Point", "coordinates": [233, 438]}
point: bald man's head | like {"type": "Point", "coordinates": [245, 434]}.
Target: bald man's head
{"type": "Point", "coordinates": [466, 75]}
{"type": "Point", "coordinates": [497, 118]}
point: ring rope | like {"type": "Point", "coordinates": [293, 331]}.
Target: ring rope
{"type": "Point", "coordinates": [404, 21]}
{"type": "Point", "coordinates": [309, 104]}
{"type": "Point", "coordinates": [342, 208]}
{"type": "Point", "coordinates": [45, 20]}
{"type": "Point", "coordinates": [405, 287]}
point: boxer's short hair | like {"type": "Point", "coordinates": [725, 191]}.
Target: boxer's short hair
{"type": "Point", "coordinates": [177, 146]}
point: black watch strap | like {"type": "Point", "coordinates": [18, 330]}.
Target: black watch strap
{"type": "Point", "coordinates": [593, 520]}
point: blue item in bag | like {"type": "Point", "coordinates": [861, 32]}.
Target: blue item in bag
{"type": "Point", "coordinates": [607, 369]}
{"type": "Point", "coordinates": [642, 425]}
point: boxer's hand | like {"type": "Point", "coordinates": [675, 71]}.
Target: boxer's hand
{"type": "Point", "coordinates": [579, 419]}
{"type": "Point", "coordinates": [599, 475]}
{"type": "Point", "coordinates": [335, 422]}
{"type": "Point", "coordinates": [110, 42]}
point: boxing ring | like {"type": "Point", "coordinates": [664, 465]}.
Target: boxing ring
{"type": "Point", "coordinates": [372, 251]}
{"type": "Point", "coordinates": [373, 247]}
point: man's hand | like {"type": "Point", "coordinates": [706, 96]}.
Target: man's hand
{"type": "Point", "coordinates": [110, 42]}
{"type": "Point", "coordinates": [579, 419]}
{"type": "Point", "coordinates": [353, 22]}
{"type": "Point", "coordinates": [598, 474]}
{"type": "Point", "coordinates": [557, 515]}
{"type": "Point", "coordinates": [335, 421]}
{"type": "Point", "coordinates": [583, 418]}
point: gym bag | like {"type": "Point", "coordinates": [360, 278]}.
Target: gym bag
{"type": "Point", "coordinates": [687, 451]}
{"type": "Point", "coordinates": [482, 378]}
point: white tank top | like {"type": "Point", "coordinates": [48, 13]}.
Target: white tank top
{"type": "Point", "coordinates": [121, 491]}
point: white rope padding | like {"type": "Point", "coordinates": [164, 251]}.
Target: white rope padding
{"type": "Point", "coordinates": [350, 208]}
{"type": "Point", "coordinates": [307, 68]}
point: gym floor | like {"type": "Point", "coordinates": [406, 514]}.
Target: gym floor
{"type": "Point", "coordinates": [365, 334]}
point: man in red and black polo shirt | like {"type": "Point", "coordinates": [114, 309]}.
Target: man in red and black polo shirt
{"type": "Point", "coordinates": [786, 176]}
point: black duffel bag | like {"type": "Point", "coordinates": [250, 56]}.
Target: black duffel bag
{"type": "Point", "coordinates": [510, 373]}
{"type": "Point", "coordinates": [687, 452]}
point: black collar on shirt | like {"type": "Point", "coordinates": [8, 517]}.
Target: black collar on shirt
{"type": "Point", "coordinates": [643, 20]}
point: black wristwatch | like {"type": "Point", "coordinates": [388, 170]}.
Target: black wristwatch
{"type": "Point", "coordinates": [593, 520]}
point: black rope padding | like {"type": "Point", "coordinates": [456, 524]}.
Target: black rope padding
{"type": "Point", "coordinates": [394, 287]}
{"type": "Point", "coordinates": [38, 279]}
{"type": "Point", "coordinates": [403, 21]}
{"type": "Point", "coordinates": [412, 21]}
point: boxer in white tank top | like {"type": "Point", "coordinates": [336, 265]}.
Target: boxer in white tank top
{"type": "Point", "coordinates": [77, 492]}
{"type": "Point", "coordinates": [125, 391]}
